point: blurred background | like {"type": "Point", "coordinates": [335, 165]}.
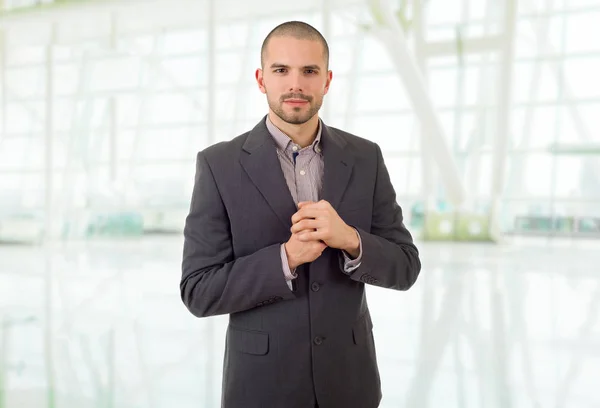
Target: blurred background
{"type": "Point", "coordinates": [487, 114]}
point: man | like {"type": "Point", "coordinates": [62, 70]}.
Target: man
{"type": "Point", "coordinates": [287, 224]}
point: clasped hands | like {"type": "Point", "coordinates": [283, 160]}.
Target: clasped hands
{"type": "Point", "coordinates": [316, 226]}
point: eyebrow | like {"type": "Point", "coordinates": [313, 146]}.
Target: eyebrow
{"type": "Point", "coordinates": [277, 65]}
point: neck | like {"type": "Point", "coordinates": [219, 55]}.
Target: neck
{"type": "Point", "coordinates": [303, 135]}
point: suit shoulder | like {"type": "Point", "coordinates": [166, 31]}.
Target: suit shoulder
{"type": "Point", "coordinates": [359, 143]}
{"type": "Point", "coordinates": [224, 150]}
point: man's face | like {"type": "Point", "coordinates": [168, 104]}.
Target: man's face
{"type": "Point", "coordinates": [294, 78]}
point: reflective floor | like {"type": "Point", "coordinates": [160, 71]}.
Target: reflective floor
{"type": "Point", "coordinates": [102, 324]}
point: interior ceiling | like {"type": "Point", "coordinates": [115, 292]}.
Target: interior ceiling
{"type": "Point", "coordinates": [77, 19]}
{"type": "Point", "coordinates": [164, 11]}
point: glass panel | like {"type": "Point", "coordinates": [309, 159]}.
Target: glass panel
{"type": "Point", "coordinates": [233, 34]}
{"type": "Point", "coordinates": [114, 74]}
{"type": "Point", "coordinates": [380, 93]}
{"type": "Point", "coordinates": [392, 133]}
{"type": "Point", "coordinates": [438, 12]}
{"type": "Point", "coordinates": [578, 74]}
{"type": "Point", "coordinates": [589, 116]}
{"type": "Point", "coordinates": [375, 56]}
{"type": "Point", "coordinates": [26, 82]}
{"type": "Point", "coordinates": [173, 108]}
{"type": "Point", "coordinates": [536, 81]}
{"type": "Point", "coordinates": [25, 117]}
{"type": "Point", "coordinates": [580, 29]}
{"type": "Point", "coordinates": [184, 42]}
{"type": "Point", "coordinates": [536, 173]}
{"type": "Point", "coordinates": [442, 87]}
{"type": "Point", "coordinates": [180, 72]}
{"type": "Point", "coordinates": [23, 54]}
{"type": "Point", "coordinates": [569, 177]}
{"type": "Point", "coordinates": [541, 131]}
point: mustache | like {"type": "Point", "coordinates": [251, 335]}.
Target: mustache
{"type": "Point", "coordinates": [296, 96]}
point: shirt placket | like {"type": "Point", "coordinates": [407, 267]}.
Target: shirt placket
{"type": "Point", "coordinates": [303, 176]}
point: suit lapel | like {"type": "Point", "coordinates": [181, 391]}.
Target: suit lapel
{"type": "Point", "coordinates": [338, 167]}
{"type": "Point", "coordinates": [262, 166]}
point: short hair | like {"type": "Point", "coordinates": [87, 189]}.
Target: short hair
{"type": "Point", "coordinates": [298, 30]}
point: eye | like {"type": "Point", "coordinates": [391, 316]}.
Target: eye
{"type": "Point", "coordinates": [279, 70]}
{"type": "Point", "coordinates": [310, 71]}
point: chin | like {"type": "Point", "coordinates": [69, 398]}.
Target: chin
{"type": "Point", "coordinates": [297, 121]}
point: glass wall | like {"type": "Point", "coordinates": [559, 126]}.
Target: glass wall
{"type": "Point", "coordinates": [118, 103]}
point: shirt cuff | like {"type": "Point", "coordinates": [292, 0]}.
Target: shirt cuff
{"type": "Point", "coordinates": [289, 274]}
{"type": "Point", "coordinates": [350, 265]}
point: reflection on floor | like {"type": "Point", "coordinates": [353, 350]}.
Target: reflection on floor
{"type": "Point", "coordinates": [101, 323]}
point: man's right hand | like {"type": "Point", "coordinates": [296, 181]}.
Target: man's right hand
{"type": "Point", "coordinates": [299, 252]}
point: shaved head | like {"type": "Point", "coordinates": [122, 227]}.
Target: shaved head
{"type": "Point", "coordinates": [298, 30]}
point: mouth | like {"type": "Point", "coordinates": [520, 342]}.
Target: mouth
{"type": "Point", "coordinates": [296, 102]}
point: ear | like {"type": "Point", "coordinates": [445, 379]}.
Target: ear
{"type": "Point", "coordinates": [328, 82]}
{"type": "Point", "coordinates": [260, 80]}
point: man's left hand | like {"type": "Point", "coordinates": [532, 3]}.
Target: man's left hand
{"type": "Point", "coordinates": [322, 222]}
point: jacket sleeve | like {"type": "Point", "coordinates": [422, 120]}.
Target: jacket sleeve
{"type": "Point", "coordinates": [390, 259]}
{"type": "Point", "coordinates": [212, 281]}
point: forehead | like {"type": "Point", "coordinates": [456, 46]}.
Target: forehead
{"type": "Point", "coordinates": [291, 49]}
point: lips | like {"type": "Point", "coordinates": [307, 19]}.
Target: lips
{"type": "Point", "coordinates": [296, 101]}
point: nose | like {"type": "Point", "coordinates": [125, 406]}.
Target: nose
{"type": "Point", "coordinates": [296, 83]}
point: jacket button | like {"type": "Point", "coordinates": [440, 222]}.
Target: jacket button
{"type": "Point", "coordinates": [318, 340]}
{"type": "Point", "coordinates": [315, 287]}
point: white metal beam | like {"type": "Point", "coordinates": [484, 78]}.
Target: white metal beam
{"type": "Point", "coordinates": [391, 35]}
{"type": "Point", "coordinates": [468, 46]}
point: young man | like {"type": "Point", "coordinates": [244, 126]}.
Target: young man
{"type": "Point", "coordinates": [287, 224]}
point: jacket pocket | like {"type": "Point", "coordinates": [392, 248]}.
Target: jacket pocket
{"type": "Point", "coordinates": [362, 328]}
{"type": "Point", "coordinates": [249, 341]}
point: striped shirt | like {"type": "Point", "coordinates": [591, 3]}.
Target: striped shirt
{"type": "Point", "coordinates": [303, 169]}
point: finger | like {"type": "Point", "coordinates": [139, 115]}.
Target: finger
{"type": "Point", "coordinates": [306, 224]}
{"type": "Point", "coordinates": [324, 204]}
{"type": "Point", "coordinates": [304, 204]}
{"type": "Point", "coordinates": [306, 212]}
{"type": "Point", "coordinates": [309, 236]}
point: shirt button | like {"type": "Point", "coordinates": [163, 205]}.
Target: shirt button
{"type": "Point", "coordinates": [302, 172]}
{"type": "Point", "coordinates": [295, 148]}
{"type": "Point", "coordinates": [318, 149]}
{"type": "Point", "coordinates": [318, 340]}
{"type": "Point", "coordinates": [315, 287]}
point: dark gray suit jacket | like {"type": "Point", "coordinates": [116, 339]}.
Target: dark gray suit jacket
{"type": "Point", "coordinates": [290, 349]}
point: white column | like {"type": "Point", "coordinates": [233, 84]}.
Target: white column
{"type": "Point", "coordinates": [3, 83]}
{"type": "Point", "coordinates": [3, 360]}
{"type": "Point", "coordinates": [504, 113]}
{"type": "Point", "coordinates": [49, 221]}
{"type": "Point", "coordinates": [211, 61]}
{"type": "Point", "coordinates": [112, 111]}
{"type": "Point", "coordinates": [326, 32]}
{"type": "Point", "coordinates": [428, 174]}
{"type": "Point", "coordinates": [210, 384]}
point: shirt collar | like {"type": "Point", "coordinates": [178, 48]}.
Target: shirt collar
{"type": "Point", "coordinates": [284, 142]}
